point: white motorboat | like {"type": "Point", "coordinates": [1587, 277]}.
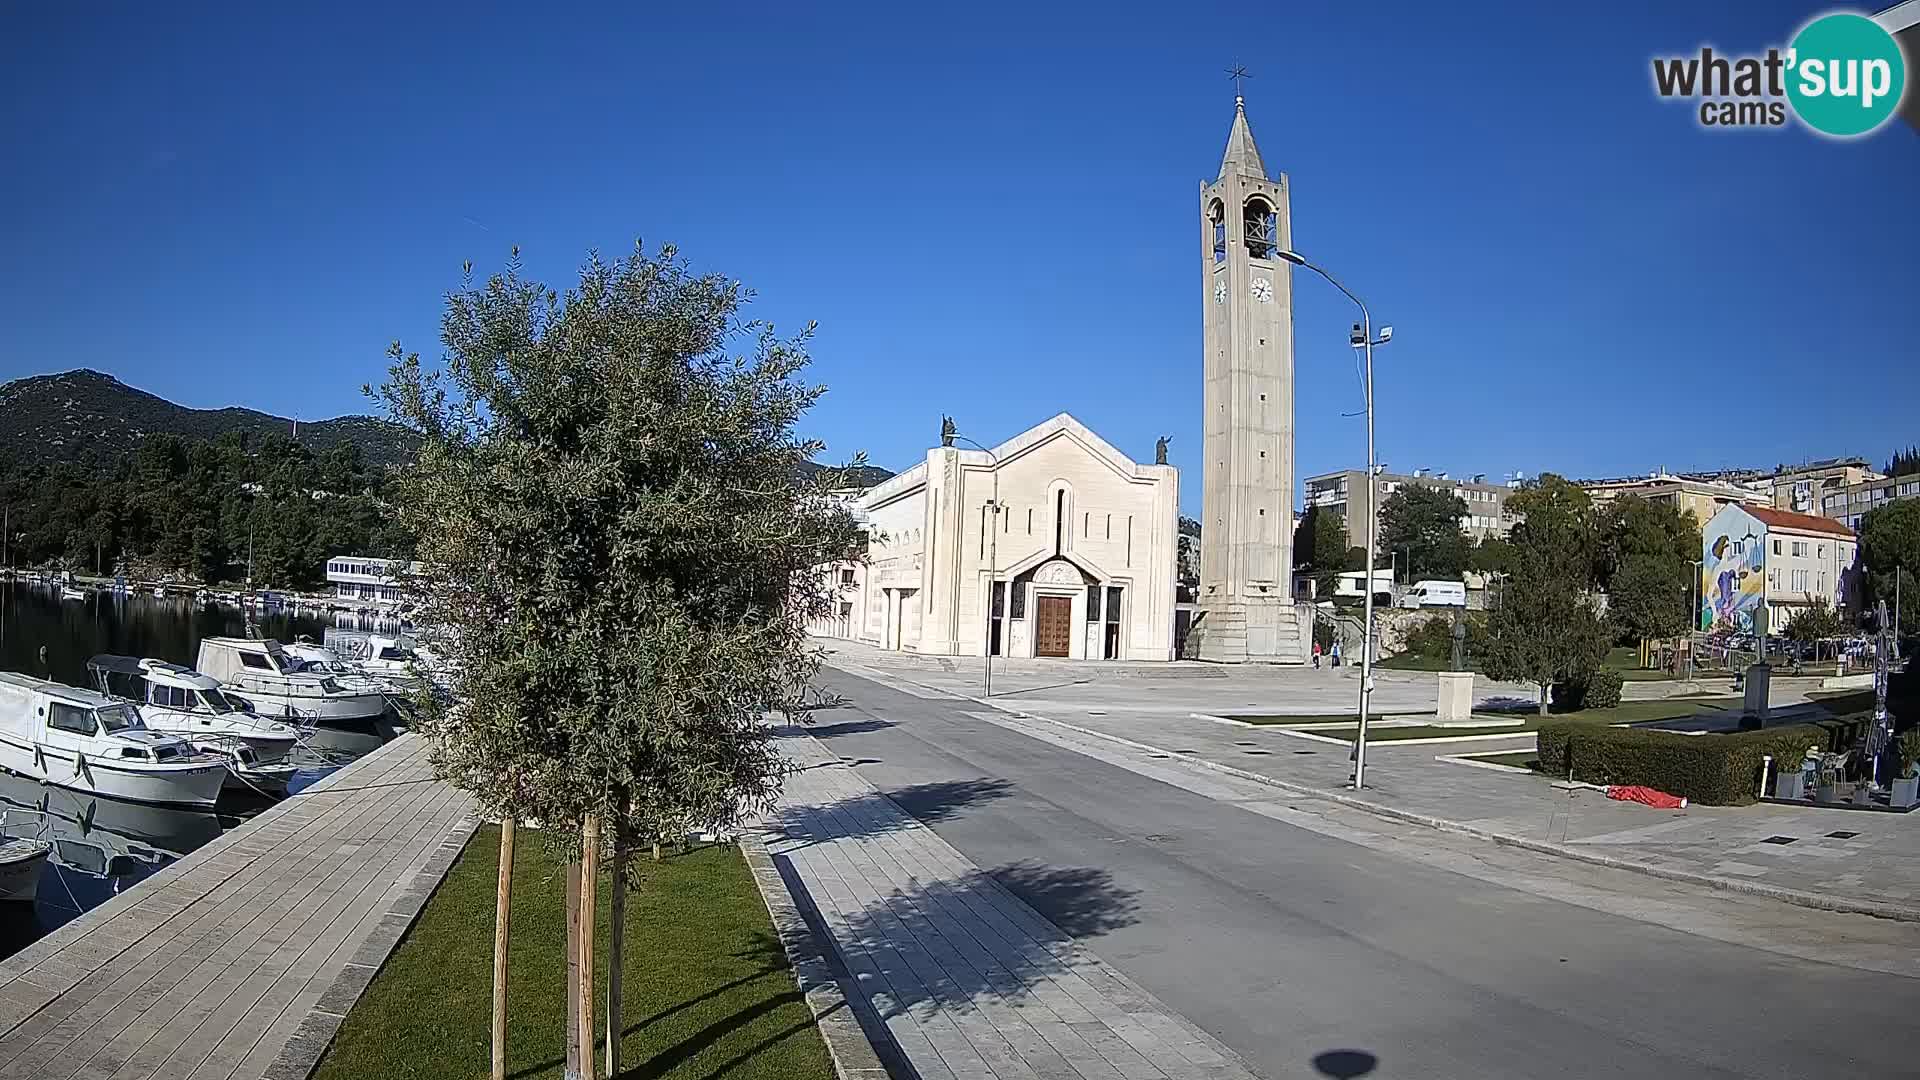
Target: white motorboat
{"type": "Point", "coordinates": [275, 683]}
{"type": "Point", "coordinates": [22, 857]}
{"type": "Point", "coordinates": [89, 742]}
{"type": "Point", "coordinates": [186, 703]}
{"type": "Point", "coordinates": [68, 592]}
{"type": "Point", "coordinates": [21, 861]}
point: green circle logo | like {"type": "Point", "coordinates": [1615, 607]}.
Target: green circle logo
{"type": "Point", "coordinates": [1846, 74]}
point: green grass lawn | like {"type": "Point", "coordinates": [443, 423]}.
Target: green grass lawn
{"type": "Point", "coordinates": [1407, 661]}
{"type": "Point", "coordinates": [708, 990]}
{"type": "Point", "coordinates": [1627, 712]}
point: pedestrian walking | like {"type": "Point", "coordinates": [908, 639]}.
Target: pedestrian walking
{"type": "Point", "coordinates": [1336, 652]}
{"type": "Point", "coordinates": [1316, 655]}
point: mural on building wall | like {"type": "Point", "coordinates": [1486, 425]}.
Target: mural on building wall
{"type": "Point", "coordinates": [1732, 582]}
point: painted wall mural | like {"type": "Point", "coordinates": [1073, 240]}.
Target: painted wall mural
{"type": "Point", "coordinates": [1732, 580]}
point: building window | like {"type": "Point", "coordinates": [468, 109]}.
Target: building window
{"type": "Point", "coordinates": [1799, 549]}
{"type": "Point", "coordinates": [1217, 215]}
{"type": "Point", "coordinates": [1018, 608]}
{"type": "Point", "coordinates": [846, 576]}
{"type": "Point", "coordinates": [1093, 603]}
{"type": "Point", "coordinates": [1821, 552]}
{"type": "Point", "coordinates": [1776, 545]}
{"type": "Point", "coordinates": [1113, 623]}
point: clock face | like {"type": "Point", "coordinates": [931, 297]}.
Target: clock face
{"type": "Point", "coordinates": [1220, 290]}
{"type": "Point", "coordinates": [1262, 290]}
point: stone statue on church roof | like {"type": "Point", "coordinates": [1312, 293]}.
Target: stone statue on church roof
{"type": "Point", "coordinates": [1160, 449]}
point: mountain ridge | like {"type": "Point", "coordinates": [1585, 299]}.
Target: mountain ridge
{"type": "Point", "coordinates": [63, 416]}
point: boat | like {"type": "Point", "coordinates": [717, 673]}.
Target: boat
{"type": "Point", "coordinates": [22, 858]}
{"type": "Point", "coordinates": [277, 684]}
{"type": "Point", "coordinates": [184, 702]}
{"type": "Point", "coordinates": [21, 861]}
{"type": "Point", "coordinates": [89, 742]}
{"type": "Point", "coordinates": [159, 593]}
{"type": "Point", "coordinates": [68, 592]}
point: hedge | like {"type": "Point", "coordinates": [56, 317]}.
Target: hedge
{"type": "Point", "coordinates": [1713, 770]}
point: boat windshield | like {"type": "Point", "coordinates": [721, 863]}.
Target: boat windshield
{"type": "Point", "coordinates": [218, 701]}
{"type": "Point", "coordinates": [119, 718]}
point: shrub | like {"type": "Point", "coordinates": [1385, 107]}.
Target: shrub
{"type": "Point", "coordinates": [1433, 639]}
{"type": "Point", "coordinates": [1713, 770]}
{"type": "Point", "coordinates": [1599, 689]}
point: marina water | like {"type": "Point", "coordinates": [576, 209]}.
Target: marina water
{"type": "Point", "coordinates": [101, 846]}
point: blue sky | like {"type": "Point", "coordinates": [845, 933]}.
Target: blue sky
{"type": "Point", "coordinates": [990, 211]}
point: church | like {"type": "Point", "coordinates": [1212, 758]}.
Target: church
{"type": "Point", "coordinates": [1056, 544]}
{"type": "Point", "coordinates": [1073, 540]}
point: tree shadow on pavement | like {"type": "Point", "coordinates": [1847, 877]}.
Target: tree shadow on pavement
{"type": "Point", "coordinates": [981, 934]}
{"type": "Point", "coordinates": [874, 813]}
{"type": "Point", "coordinates": [847, 727]}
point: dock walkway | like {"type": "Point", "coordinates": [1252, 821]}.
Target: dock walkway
{"type": "Point", "coordinates": [239, 961]}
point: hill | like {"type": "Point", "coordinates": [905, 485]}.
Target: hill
{"type": "Point", "coordinates": [63, 416]}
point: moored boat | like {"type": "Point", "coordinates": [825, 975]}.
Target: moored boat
{"type": "Point", "coordinates": [89, 742]}
{"type": "Point", "coordinates": [277, 684]}
{"type": "Point", "coordinates": [186, 703]}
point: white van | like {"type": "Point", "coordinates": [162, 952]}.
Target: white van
{"type": "Point", "coordinates": [1351, 583]}
{"type": "Point", "coordinates": [1435, 594]}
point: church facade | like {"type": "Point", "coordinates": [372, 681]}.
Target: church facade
{"type": "Point", "coordinates": [1051, 544]}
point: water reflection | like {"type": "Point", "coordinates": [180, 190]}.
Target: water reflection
{"type": "Point", "coordinates": [101, 846]}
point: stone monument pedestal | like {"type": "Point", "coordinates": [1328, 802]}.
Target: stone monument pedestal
{"type": "Point", "coordinates": [1753, 713]}
{"type": "Point", "coordinates": [1456, 698]}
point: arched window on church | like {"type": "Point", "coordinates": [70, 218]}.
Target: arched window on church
{"type": "Point", "coordinates": [1263, 228]}
{"type": "Point", "coordinates": [1217, 214]}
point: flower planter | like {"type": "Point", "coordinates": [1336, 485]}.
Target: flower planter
{"type": "Point", "coordinates": [1905, 793]}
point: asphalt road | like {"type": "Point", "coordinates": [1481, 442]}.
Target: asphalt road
{"type": "Point", "coordinates": [1288, 945]}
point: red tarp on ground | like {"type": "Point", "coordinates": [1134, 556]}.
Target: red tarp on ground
{"type": "Point", "coordinates": [1636, 793]}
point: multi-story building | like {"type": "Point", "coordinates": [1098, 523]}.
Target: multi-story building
{"type": "Point", "coordinates": [1337, 491]}
{"type": "Point", "coordinates": [1755, 557]}
{"type": "Point", "coordinates": [1804, 488]}
{"type": "Point", "coordinates": [368, 582]}
{"type": "Point", "coordinates": [1704, 496]}
{"type": "Point", "coordinates": [1850, 503]}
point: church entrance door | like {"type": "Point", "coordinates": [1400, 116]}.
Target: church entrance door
{"type": "Point", "coordinates": [1053, 630]}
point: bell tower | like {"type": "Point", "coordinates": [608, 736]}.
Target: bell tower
{"type": "Point", "coordinates": [1246, 532]}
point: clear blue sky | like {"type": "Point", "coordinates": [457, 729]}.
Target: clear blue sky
{"type": "Point", "coordinates": [990, 212]}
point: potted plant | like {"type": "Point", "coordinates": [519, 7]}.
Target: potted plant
{"type": "Point", "coordinates": [1906, 784]}
{"type": "Point", "coordinates": [1827, 787]}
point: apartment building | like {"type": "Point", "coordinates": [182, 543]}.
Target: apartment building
{"type": "Point", "coordinates": [1486, 502]}
{"type": "Point", "coordinates": [1849, 504]}
{"type": "Point", "coordinates": [1703, 496]}
{"type": "Point", "coordinates": [1756, 556]}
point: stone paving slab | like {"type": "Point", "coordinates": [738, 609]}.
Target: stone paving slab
{"type": "Point", "coordinates": [966, 979]}
{"type": "Point", "coordinates": [238, 961]}
{"type": "Point", "coordinates": [1878, 868]}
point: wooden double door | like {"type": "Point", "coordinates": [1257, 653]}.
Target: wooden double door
{"type": "Point", "coordinates": [1053, 625]}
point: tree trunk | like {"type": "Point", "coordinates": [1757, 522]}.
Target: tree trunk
{"type": "Point", "coordinates": [1544, 688]}
{"type": "Point", "coordinates": [589, 890]}
{"type": "Point", "coordinates": [502, 906]}
{"type": "Point", "coordinates": [573, 971]}
{"type": "Point", "coordinates": [616, 951]}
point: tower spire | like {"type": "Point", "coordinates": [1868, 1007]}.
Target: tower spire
{"type": "Point", "coordinates": [1242, 155]}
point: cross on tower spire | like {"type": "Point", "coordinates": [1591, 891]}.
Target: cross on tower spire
{"type": "Point", "coordinates": [1238, 73]}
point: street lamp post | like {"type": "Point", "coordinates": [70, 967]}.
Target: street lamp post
{"type": "Point", "coordinates": [993, 554]}
{"type": "Point", "coordinates": [1362, 338]}
{"type": "Point", "coordinates": [1693, 614]}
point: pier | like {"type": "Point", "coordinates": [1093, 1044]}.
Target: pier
{"type": "Point", "coordinates": [239, 961]}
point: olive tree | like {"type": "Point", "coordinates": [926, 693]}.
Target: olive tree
{"type": "Point", "coordinates": [619, 547]}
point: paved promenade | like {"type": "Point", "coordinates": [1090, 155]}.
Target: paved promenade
{"type": "Point", "coordinates": [1876, 867]}
{"type": "Point", "coordinates": [969, 982]}
{"type": "Point", "coordinates": [238, 961]}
